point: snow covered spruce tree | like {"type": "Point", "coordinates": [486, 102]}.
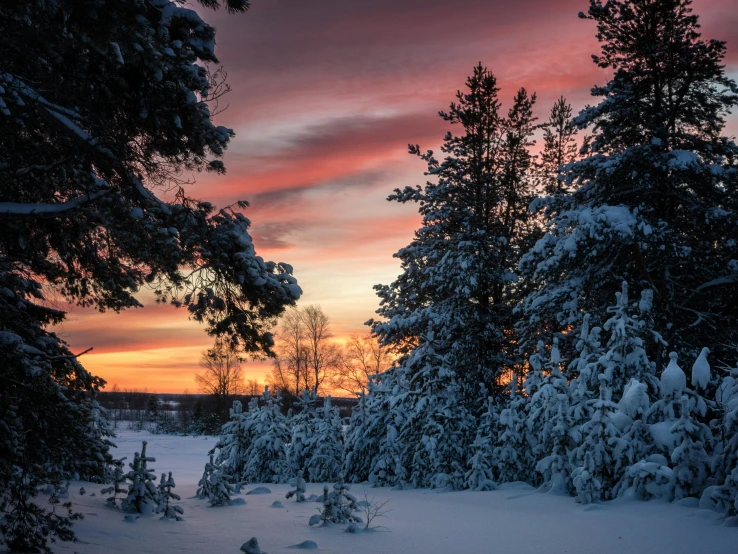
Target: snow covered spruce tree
{"type": "Point", "coordinates": [302, 428]}
{"type": "Point", "coordinates": [654, 199]}
{"type": "Point", "coordinates": [316, 447]}
{"type": "Point", "coordinates": [454, 288]}
{"type": "Point", "coordinates": [143, 498]}
{"type": "Point", "coordinates": [480, 476]}
{"type": "Point", "coordinates": [100, 104]}
{"type": "Point", "coordinates": [371, 450]}
{"type": "Point", "coordinates": [234, 442]}
{"type": "Point", "coordinates": [266, 458]}
{"type": "Point", "coordinates": [325, 446]}
{"type": "Point", "coordinates": [448, 312]}
{"type": "Point", "coordinates": [559, 147]}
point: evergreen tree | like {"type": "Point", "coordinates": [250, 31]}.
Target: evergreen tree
{"type": "Point", "coordinates": [366, 426]}
{"type": "Point", "coordinates": [725, 460]}
{"type": "Point", "coordinates": [690, 462]}
{"type": "Point", "coordinates": [118, 478]}
{"type": "Point", "coordinates": [266, 458]}
{"type": "Point", "coordinates": [598, 459]}
{"type": "Point", "coordinates": [512, 455]}
{"type": "Point", "coordinates": [656, 191]}
{"type": "Point", "coordinates": [455, 286]}
{"type": "Point", "coordinates": [214, 485]}
{"type": "Point", "coordinates": [437, 429]}
{"type": "Point", "coordinates": [165, 507]}
{"type": "Point", "coordinates": [386, 466]}
{"type": "Point", "coordinates": [142, 494]}
{"type": "Point", "coordinates": [480, 476]}
{"type": "Point", "coordinates": [548, 418]}
{"type": "Point", "coordinates": [234, 442]}
{"type": "Point", "coordinates": [325, 446]}
{"type": "Point", "coordinates": [559, 146]}
{"type": "Point", "coordinates": [303, 427]}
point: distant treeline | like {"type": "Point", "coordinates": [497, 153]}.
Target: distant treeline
{"type": "Point", "coordinates": [184, 413]}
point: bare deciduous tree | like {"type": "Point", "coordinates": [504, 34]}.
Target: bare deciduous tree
{"type": "Point", "coordinates": [305, 353]}
{"type": "Point", "coordinates": [362, 357]}
{"type": "Point", "coordinates": [222, 376]}
{"type": "Point", "coordinates": [254, 388]}
{"type": "Point", "coordinates": [323, 355]}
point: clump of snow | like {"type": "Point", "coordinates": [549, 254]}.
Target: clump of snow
{"type": "Point", "coordinates": [701, 370]}
{"type": "Point", "coordinates": [673, 379]}
{"type": "Point", "coordinates": [635, 399]}
{"type": "Point", "coordinates": [260, 490]}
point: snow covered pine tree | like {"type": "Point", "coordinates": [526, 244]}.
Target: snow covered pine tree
{"type": "Point", "coordinates": [79, 158]}
{"type": "Point", "coordinates": [655, 196]}
{"type": "Point", "coordinates": [447, 313]}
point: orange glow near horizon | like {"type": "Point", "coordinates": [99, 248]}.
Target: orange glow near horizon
{"type": "Point", "coordinates": [326, 97]}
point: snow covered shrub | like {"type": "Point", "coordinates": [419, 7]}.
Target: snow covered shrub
{"type": "Point", "coordinates": [726, 495]}
{"type": "Point", "coordinates": [588, 487]}
{"type": "Point", "coordinates": [338, 506]}
{"type": "Point", "coordinates": [649, 478]}
{"type": "Point", "coordinates": [214, 485]}
{"type": "Point", "coordinates": [143, 498]}
{"type": "Point", "coordinates": [165, 507]}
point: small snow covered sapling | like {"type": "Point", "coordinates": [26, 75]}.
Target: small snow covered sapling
{"type": "Point", "coordinates": [168, 510]}
{"type": "Point", "coordinates": [587, 486]}
{"type": "Point", "coordinates": [142, 494]}
{"type": "Point", "coordinates": [299, 487]}
{"type": "Point", "coordinates": [214, 485]}
{"type": "Point", "coordinates": [119, 479]}
{"type": "Point", "coordinates": [338, 506]}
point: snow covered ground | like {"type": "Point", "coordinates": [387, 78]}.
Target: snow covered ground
{"type": "Point", "coordinates": [515, 519]}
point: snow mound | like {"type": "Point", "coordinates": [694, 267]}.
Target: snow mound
{"type": "Point", "coordinates": [277, 504]}
{"type": "Point", "coordinates": [251, 547]}
{"type": "Point", "coordinates": [260, 490]}
{"type": "Point", "coordinates": [305, 545]}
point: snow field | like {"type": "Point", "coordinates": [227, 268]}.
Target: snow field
{"type": "Point", "coordinates": [513, 520]}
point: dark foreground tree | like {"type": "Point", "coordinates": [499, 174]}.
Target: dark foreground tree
{"type": "Point", "coordinates": [101, 102]}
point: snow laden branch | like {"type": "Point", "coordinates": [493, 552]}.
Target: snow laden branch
{"type": "Point", "coordinates": [70, 122]}
{"type": "Point", "coordinates": [19, 208]}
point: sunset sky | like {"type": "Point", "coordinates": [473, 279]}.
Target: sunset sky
{"type": "Point", "coordinates": [326, 96]}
